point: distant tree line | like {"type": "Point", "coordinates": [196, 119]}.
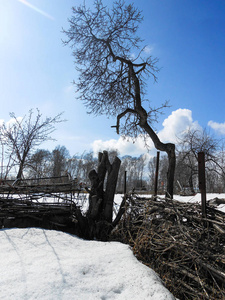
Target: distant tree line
{"type": "Point", "coordinates": [140, 171]}
{"type": "Point", "coordinates": [21, 158]}
{"type": "Point", "coordinates": [20, 137]}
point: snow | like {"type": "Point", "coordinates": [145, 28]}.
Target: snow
{"type": "Point", "coordinates": [197, 198]}
{"type": "Point", "coordinates": [48, 264]}
{"type": "Point", "coordinates": [188, 199]}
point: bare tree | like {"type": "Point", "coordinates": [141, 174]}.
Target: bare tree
{"type": "Point", "coordinates": [111, 80]}
{"type": "Point", "coordinates": [40, 164]}
{"type": "Point", "coordinates": [23, 135]}
{"type": "Point", "coordinates": [151, 173]}
{"type": "Point", "coordinates": [6, 160]}
{"type": "Point", "coordinates": [59, 158]}
{"type": "Point", "coordinates": [163, 166]}
{"type": "Point", "coordinates": [140, 171]}
{"type": "Point", "coordinates": [88, 163]}
{"type": "Point", "coordinates": [192, 142]}
{"type": "Point", "coordinates": [74, 166]}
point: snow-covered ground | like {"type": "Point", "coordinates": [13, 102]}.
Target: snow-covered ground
{"type": "Point", "coordinates": [197, 198]}
{"type": "Point", "coordinates": [188, 199]}
{"type": "Point", "coordinates": [47, 264]}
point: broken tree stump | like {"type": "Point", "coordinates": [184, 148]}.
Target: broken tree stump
{"type": "Point", "coordinates": [100, 211]}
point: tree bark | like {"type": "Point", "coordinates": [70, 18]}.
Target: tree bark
{"type": "Point", "coordinates": [111, 189]}
{"type": "Point", "coordinates": [100, 211]}
{"type": "Point", "coordinates": [169, 148]}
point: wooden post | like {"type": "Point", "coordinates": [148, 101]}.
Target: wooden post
{"type": "Point", "coordinates": [156, 174]}
{"type": "Point", "coordinates": [201, 177]}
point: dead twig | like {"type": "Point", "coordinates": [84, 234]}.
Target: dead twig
{"type": "Point", "coordinates": [172, 238]}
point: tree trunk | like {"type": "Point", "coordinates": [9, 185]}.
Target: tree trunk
{"type": "Point", "coordinates": [100, 212]}
{"type": "Point", "coordinates": [19, 174]}
{"type": "Point", "coordinates": [169, 148]}
{"type": "Point", "coordinates": [111, 189]}
{"type": "Point", "coordinates": [190, 181]}
{"type": "Point", "coordinates": [20, 171]}
{"type": "Point", "coordinates": [22, 164]}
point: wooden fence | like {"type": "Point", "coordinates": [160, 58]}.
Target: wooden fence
{"type": "Point", "coordinates": [48, 203]}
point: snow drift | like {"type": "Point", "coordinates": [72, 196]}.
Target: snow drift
{"type": "Point", "coordinates": [47, 264]}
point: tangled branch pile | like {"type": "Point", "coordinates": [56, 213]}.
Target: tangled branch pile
{"type": "Point", "coordinates": [25, 210]}
{"type": "Point", "coordinates": [172, 238]}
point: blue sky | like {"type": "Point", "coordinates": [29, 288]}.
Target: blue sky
{"type": "Point", "coordinates": [36, 70]}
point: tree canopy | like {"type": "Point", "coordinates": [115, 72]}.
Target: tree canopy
{"type": "Point", "coordinates": [104, 44]}
{"type": "Point", "coordinates": [113, 70]}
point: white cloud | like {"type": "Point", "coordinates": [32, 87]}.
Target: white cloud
{"type": "Point", "coordinates": [123, 146]}
{"type": "Point", "coordinates": [179, 121]}
{"type": "Point", "coordinates": [173, 126]}
{"type": "Point", "coordinates": [219, 127]}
